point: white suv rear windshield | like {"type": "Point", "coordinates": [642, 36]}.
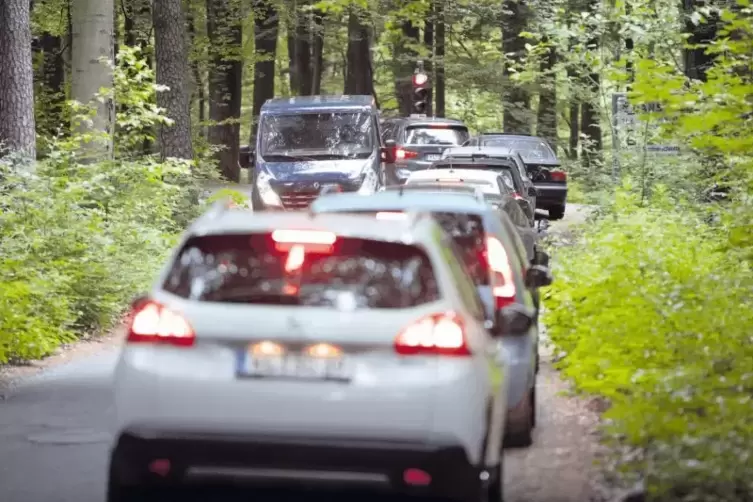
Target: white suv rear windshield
{"type": "Point", "coordinates": [436, 135]}
{"type": "Point", "coordinates": [254, 269]}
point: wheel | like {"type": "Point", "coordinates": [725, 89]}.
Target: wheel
{"type": "Point", "coordinates": [120, 493]}
{"type": "Point", "coordinates": [532, 398]}
{"type": "Point", "coordinates": [522, 434]}
{"type": "Point", "coordinates": [495, 490]}
{"type": "Point", "coordinates": [557, 212]}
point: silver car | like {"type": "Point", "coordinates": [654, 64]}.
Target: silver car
{"type": "Point", "coordinates": [312, 349]}
{"type": "Point", "coordinates": [493, 253]}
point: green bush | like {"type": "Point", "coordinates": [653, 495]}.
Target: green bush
{"type": "Point", "coordinates": [78, 241]}
{"type": "Point", "coordinates": [651, 313]}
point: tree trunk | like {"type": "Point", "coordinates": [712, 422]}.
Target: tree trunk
{"type": "Point", "coordinates": [17, 131]}
{"type": "Point", "coordinates": [198, 78]}
{"type": "Point", "coordinates": [405, 60]}
{"type": "Point", "coordinates": [358, 79]}
{"type": "Point", "coordinates": [266, 28]}
{"type": "Point", "coordinates": [317, 52]}
{"type": "Point", "coordinates": [303, 62]}
{"type": "Point", "coordinates": [629, 45]}
{"type": "Point", "coordinates": [697, 62]}
{"type": "Point", "coordinates": [439, 86]}
{"type": "Point", "coordinates": [546, 124]}
{"type": "Point", "coordinates": [517, 117]}
{"type": "Point", "coordinates": [172, 70]}
{"type": "Point", "coordinates": [590, 120]}
{"type": "Point", "coordinates": [92, 34]}
{"type": "Point", "coordinates": [225, 83]}
{"type": "Point", "coordinates": [50, 77]}
{"type": "Point", "coordinates": [429, 44]}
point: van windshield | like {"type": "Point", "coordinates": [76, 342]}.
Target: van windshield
{"type": "Point", "coordinates": [325, 135]}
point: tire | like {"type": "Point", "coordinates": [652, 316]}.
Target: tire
{"type": "Point", "coordinates": [532, 398]}
{"type": "Point", "coordinates": [522, 437]}
{"type": "Point", "coordinates": [557, 212]}
{"type": "Point", "coordinates": [495, 490]}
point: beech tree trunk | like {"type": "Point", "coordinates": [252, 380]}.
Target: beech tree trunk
{"type": "Point", "coordinates": [546, 124]}
{"type": "Point", "coordinates": [439, 85]}
{"type": "Point", "coordinates": [173, 71]}
{"type": "Point", "coordinates": [266, 29]}
{"type": "Point", "coordinates": [225, 84]}
{"type": "Point", "coordinates": [358, 79]}
{"type": "Point", "coordinates": [405, 62]}
{"type": "Point", "coordinates": [590, 120]}
{"type": "Point", "coordinates": [516, 98]}
{"type": "Point", "coordinates": [17, 130]}
{"type": "Point", "coordinates": [92, 41]}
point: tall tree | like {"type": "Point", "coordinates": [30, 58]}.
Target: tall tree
{"type": "Point", "coordinates": [173, 71]}
{"type": "Point", "coordinates": [266, 28]}
{"type": "Point", "coordinates": [300, 28]}
{"type": "Point", "coordinates": [517, 100]}
{"type": "Point", "coordinates": [590, 120]}
{"type": "Point", "coordinates": [404, 63]}
{"type": "Point", "coordinates": [702, 31]}
{"type": "Point", "coordinates": [439, 47]}
{"type": "Point", "coordinates": [199, 89]}
{"type": "Point", "coordinates": [546, 124]}
{"type": "Point", "coordinates": [137, 24]}
{"type": "Point", "coordinates": [358, 79]}
{"type": "Point", "coordinates": [17, 132]}
{"type": "Point", "coordinates": [317, 51]}
{"type": "Point", "coordinates": [225, 83]}
{"type": "Point", "coordinates": [48, 47]}
{"type": "Point", "coordinates": [429, 26]}
{"type": "Point", "coordinates": [92, 26]}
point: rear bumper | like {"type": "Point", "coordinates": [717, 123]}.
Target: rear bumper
{"type": "Point", "coordinates": [197, 458]}
{"type": "Point", "coordinates": [550, 194]}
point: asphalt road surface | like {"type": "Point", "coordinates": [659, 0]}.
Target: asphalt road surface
{"type": "Point", "coordinates": [55, 432]}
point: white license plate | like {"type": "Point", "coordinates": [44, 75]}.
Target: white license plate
{"type": "Point", "coordinates": [433, 156]}
{"type": "Point", "coordinates": [295, 366]}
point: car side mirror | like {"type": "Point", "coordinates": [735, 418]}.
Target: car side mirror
{"type": "Point", "coordinates": [515, 319]}
{"type": "Point", "coordinates": [541, 258]}
{"type": "Point", "coordinates": [532, 192]}
{"type": "Point", "coordinates": [246, 156]}
{"type": "Point", "coordinates": [538, 276]}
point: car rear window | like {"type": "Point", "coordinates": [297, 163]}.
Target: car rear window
{"type": "Point", "coordinates": [254, 269]}
{"type": "Point", "coordinates": [467, 230]}
{"type": "Point", "coordinates": [445, 135]}
{"type": "Point", "coordinates": [531, 149]}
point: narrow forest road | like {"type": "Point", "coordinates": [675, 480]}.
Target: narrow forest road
{"type": "Point", "coordinates": [55, 416]}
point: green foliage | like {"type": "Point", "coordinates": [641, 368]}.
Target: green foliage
{"type": "Point", "coordinates": [649, 312]}
{"type": "Point", "coordinates": [77, 240]}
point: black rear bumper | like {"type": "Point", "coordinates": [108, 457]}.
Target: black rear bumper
{"type": "Point", "coordinates": [300, 462]}
{"type": "Point", "coordinates": [550, 194]}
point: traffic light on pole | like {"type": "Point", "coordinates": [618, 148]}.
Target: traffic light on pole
{"type": "Point", "coordinates": [420, 92]}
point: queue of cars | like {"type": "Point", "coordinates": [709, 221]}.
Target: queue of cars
{"type": "Point", "coordinates": [376, 331]}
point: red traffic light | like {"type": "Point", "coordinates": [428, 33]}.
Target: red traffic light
{"type": "Point", "coordinates": [420, 79]}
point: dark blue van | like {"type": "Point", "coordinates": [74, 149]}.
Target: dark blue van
{"type": "Point", "coordinates": [308, 144]}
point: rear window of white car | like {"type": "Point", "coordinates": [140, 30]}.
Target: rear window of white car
{"type": "Point", "coordinates": [257, 269]}
{"type": "Point", "coordinates": [467, 230]}
{"type": "Point", "coordinates": [445, 135]}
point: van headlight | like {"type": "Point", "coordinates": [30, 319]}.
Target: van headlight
{"type": "Point", "coordinates": [369, 183]}
{"type": "Point", "coordinates": [267, 194]}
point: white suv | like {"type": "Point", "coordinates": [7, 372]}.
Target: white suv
{"type": "Point", "coordinates": [314, 349]}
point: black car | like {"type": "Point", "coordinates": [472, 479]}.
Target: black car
{"type": "Point", "coordinates": [524, 195]}
{"type": "Point", "coordinates": [542, 164]}
{"type": "Point", "coordinates": [418, 142]}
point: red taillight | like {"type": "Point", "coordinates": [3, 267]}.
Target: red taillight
{"type": "Point", "coordinates": [402, 154]}
{"type": "Point", "coordinates": [312, 240]}
{"type": "Point", "coordinates": [558, 176]}
{"type": "Point", "coordinates": [517, 196]}
{"type": "Point", "coordinates": [437, 334]}
{"type": "Point", "coordinates": [503, 287]}
{"type": "Point", "coordinates": [154, 323]}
